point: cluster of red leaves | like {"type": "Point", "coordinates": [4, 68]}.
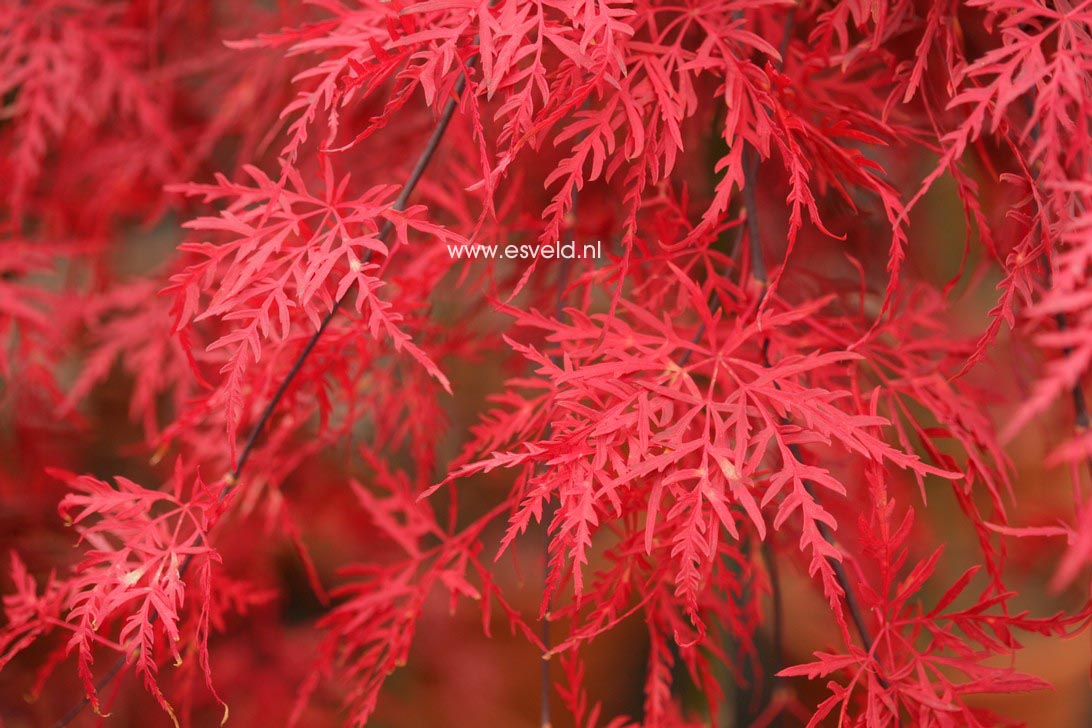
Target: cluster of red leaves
{"type": "Point", "coordinates": [765, 352]}
{"type": "Point", "coordinates": [923, 663]}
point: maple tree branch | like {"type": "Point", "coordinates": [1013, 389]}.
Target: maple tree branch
{"type": "Point", "coordinates": [231, 481]}
{"type": "Point", "coordinates": [840, 573]}
{"type": "Point", "coordinates": [852, 604]}
{"type": "Point", "coordinates": [545, 715]}
{"type": "Point", "coordinates": [399, 204]}
{"type": "Point", "coordinates": [1082, 422]}
{"type": "Point", "coordinates": [750, 207]}
{"type": "Point", "coordinates": [778, 604]}
{"type": "Point", "coordinates": [758, 266]}
{"type": "Point", "coordinates": [759, 272]}
{"type": "Point", "coordinates": [102, 683]}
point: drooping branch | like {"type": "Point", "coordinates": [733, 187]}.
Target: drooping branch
{"type": "Point", "coordinates": [545, 712]}
{"type": "Point", "coordinates": [1082, 419]}
{"type": "Point", "coordinates": [399, 204]}
{"type": "Point", "coordinates": [231, 481]}
{"type": "Point", "coordinates": [758, 271]}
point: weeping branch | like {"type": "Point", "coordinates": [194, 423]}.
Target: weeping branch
{"type": "Point", "coordinates": [231, 481]}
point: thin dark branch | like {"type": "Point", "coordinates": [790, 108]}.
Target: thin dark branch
{"type": "Point", "coordinates": [232, 479]}
{"type": "Point", "coordinates": [759, 272]}
{"type": "Point", "coordinates": [840, 574]}
{"type": "Point", "coordinates": [545, 715]}
{"type": "Point", "coordinates": [750, 206]}
{"type": "Point", "coordinates": [778, 603]}
{"type": "Point", "coordinates": [1082, 422]}
{"type": "Point", "coordinates": [825, 531]}
{"type": "Point", "coordinates": [100, 685]}
{"type": "Point", "coordinates": [399, 204]}
{"type": "Point", "coordinates": [758, 267]}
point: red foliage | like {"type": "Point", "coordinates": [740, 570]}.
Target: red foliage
{"type": "Point", "coordinates": [237, 226]}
